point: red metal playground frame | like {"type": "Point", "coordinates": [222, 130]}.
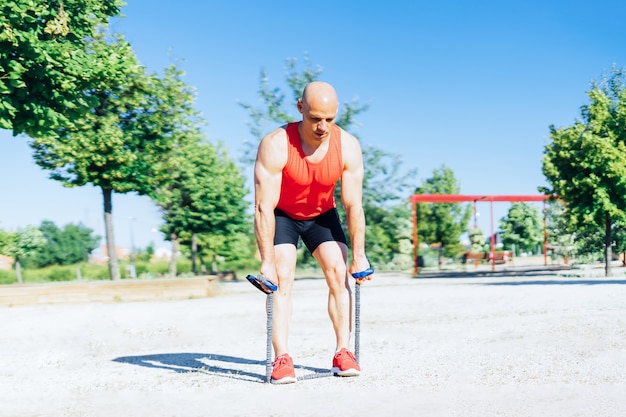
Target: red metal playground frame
{"type": "Point", "coordinates": [458, 198]}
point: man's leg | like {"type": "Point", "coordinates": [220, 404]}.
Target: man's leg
{"type": "Point", "coordinates": [285, 268]}
{"type": "Point", "coordinates": [332, 257]}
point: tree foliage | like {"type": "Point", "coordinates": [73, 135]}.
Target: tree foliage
{"type": "Point", "coordinates": [442, 223]}
{"type": "Point", "coordinates": [581, 243]}
{"type": "Point", "coordinates": [202, 197]}
{"type": "Point", "coordinates": [561, 237]}
{"type": "Point", "coordinates": [119, 145]}
{"type": "Point", "coordinates": [44, 63]}
{"type": "Point", "coordinates": [273, 110]}
{"type": "Point", "coordinates": [19, 244]}
{"type": "Point", "coordinates": [585, 163]}
{"type": "Point", "coordinates": [522, 228]}
{"type": "Point", "coordinates": [477, 239]}
{"type": "Point", "coordinates": [136, 119]}
{"type": "Point", "coordinates": [387, 209]}
{"type": "Point", "coordinates": [68, 245]}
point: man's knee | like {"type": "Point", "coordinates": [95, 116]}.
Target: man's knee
{"type": "Point", "coordinates": [336, 273]}
{"type": "Point", "coordinates": [339, 269]}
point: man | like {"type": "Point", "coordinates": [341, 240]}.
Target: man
{"type": "Point", "coordinates": [296, 171]}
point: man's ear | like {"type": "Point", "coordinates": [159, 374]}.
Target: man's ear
{"type": "Point", "coordinates": [300, 106]}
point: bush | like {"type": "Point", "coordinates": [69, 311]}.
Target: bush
{"type": "Point", "coordinates": [61, 273]}
{"type": "Point", "coordinates": [161, 268]}
{"type": "Point", "coordinates": [97, 272]}
{"type": "Point", "coordinates": [94, 272]}
{"type": "Point", "coordinates": [7, 276]}
{"type": "Point", "coordinates": [240, 265]}
{"type": "Point", "coordinates": [428, 258]}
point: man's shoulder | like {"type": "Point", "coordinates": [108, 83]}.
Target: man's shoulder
{"type": "Point", "coordinates": [273, 149]}
{"type": "Point", "coordinates": [351, 151]}
{"type": "Point", "coordinates": [348, 140]}
{"type": "Point", "coordinates": [277, 136]}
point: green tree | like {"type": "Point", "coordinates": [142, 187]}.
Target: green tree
{"type": "Point", "coordinates": [619, 239]}
{"type": "Point", "coordinates": [236, 250]}
{"type": "Point", "coordinates": [44, 64]}
{"type": "Point", "coordinates": [64, 246]}
{"type": "Point", "coordinates": [588, 241]}
{"type": "Point", "coordinates": [561, 236]}
{"type": "Point", "coordinates": [145, 254]}
{"type": "Point", "coordinates": [442, 223]}
{"type": "Point", "coordinates": [522, 228]}
{"type": "Point", "coordinates": [387, 209]}
{"type": "Point", "coordinates": [585, 163]}
{"type": "Point", "coordinates": [119, 145]}
{"type": "Point", "coordinates": [202, 194]}
{"type": "Point", "coordinates": [19, 244]}
{"type": "Point", "coordinates": [477, 239]}
{"type": "Point", "coordinates": [385, 185]}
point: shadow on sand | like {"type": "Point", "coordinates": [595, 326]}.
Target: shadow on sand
{"type": "Point", "coordinates": [470, 272]}
{"type": "Point", "coordinates": [594, 281]}
{"type": "Point", "coordinates": [210, 364]}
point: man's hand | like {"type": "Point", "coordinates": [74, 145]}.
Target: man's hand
{"type": "Point", "coordinates": [262, 284]}
{"type": "Point", "coordinates": [361, 271]}
{"type": "Point", "coordinates": [267, 276]}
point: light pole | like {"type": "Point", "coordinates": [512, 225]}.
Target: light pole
{"type": "Point", "coordinates": [133, 269]}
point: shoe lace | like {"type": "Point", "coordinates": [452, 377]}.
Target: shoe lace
{"type": "Point", "coordinates": [343, 353]}
{"type": "Point", "coordinates": [280, 361]}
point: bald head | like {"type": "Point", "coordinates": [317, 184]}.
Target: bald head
{"type": "Point", "coordinates": [318, 106]}
{"type": "Point", "coordinates": [319, 93]}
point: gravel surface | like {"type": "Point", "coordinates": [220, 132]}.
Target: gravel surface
{"type": "Point", "coordinates": [523, 345]}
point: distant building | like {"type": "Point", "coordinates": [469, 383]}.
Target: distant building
{"type": "Point", "coordinates": [100, 255]}
{"type": "Point", "coordinates": [6, 262]}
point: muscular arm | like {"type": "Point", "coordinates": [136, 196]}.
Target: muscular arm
{"type": "Point", "coordinates": [271, 158]}
{"type": "Point", "coordinates": [352, 199]}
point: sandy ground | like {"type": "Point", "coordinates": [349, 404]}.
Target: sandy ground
{"type": "Point", "coordinates": [532, 345]}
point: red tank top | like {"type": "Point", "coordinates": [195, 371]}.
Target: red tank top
{"type": "Point", "coordinates": [308, 189]}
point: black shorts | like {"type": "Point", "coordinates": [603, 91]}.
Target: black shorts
{"type": "Point", "coordinates": [324, 228]}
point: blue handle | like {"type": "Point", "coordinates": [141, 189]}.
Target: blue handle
{"type": "Point", "coordinates": [269, 284]}
{"type": "Point", "coordinates": [363, 274]}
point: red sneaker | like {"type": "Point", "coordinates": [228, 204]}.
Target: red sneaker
{"type": "Point", "coordinates": [344, 364]}
{"type": "Point", "coordinates": [283, 372]}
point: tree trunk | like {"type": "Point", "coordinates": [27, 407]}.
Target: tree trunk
{"type": "Point", "coordinates": [608, 246]}
{"type": "Point", "coordinates": [18, 271]}
{"type": "Point", "coordinates": [440, 256]}
{"type": "Point", "coordinates": [194, 253]}
{"type": "Point", "coordinates": [114, 269]}
{"type": "Point", "coordinates": [201, 266]}
{"type": "Point", "coordinates": [174, 240]}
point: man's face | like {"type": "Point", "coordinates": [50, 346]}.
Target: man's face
{"type": "Point", "coordinates": [318, 115]}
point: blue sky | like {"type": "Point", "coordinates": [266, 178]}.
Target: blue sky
{"type": "Point", "coordinates": [472, 85]}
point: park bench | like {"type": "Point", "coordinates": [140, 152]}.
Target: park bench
{"type": "Point", "coordinates": [500, 257]}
